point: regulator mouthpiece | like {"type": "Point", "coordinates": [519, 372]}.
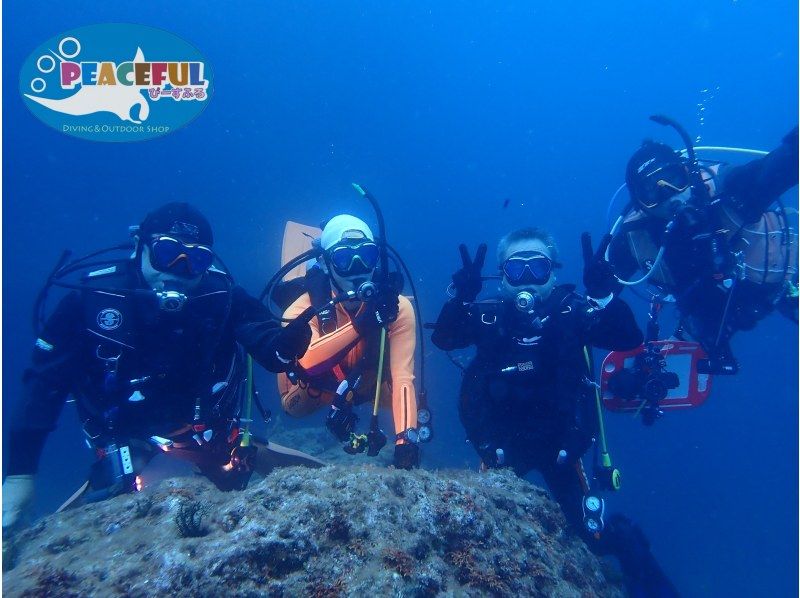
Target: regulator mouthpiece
{"type": "Point", "coordinates": [526, 302]}
{"type": "Point", "coordinates": [366, 291]}
{"type": "Point", "coordinates": [171, 301]}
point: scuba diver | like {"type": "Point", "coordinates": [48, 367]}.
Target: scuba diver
{"type": "Point", "coordinates": [706, 236]}
{"type": "Point", "coordinates": [340, 368]}
{"type": "Point", "coordinates": [153, 349]}
{"type": "Point", "coordinates": [528, 400]}
{"type": "Point", "coordinates": [363, 337]}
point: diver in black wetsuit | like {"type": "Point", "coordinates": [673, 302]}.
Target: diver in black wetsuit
{"type": "Point", "coordinates": [152, 348]}
{"type": "Point", "coordinates": [527, 400]}
{"type": "Point", "coordinates": [705, 234]}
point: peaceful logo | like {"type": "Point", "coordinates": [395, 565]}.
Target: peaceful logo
{"type": "Point", "coordinates": [116, 82]}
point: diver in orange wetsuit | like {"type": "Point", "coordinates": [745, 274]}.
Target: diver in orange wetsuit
{"type": "Point", "coordinates": [339, 369]}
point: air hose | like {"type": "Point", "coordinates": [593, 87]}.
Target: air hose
{"type": "Point", "coordinates": [613, 479]}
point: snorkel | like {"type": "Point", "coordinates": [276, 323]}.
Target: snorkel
{"type": "Point", "coordinates": [383, 277]}
{"type": "Point", "coordinates": [700, 195]}
{"type": "Point", "coordinates": [376, 438]}
{"type": "Point", "coordinates": [424, 417]}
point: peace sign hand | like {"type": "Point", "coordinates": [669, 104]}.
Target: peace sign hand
{"type": "Point", "coordinates": [598, 274]}
{"type": "Point", "coordinates": [467, 281]}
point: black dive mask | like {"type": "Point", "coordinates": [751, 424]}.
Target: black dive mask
{"type": "Point", "coordinates": [658, 183]}
{"type": "Point", "coordinates": [170, 255]}
{"type": "Point", "coordinates": [527, 268]}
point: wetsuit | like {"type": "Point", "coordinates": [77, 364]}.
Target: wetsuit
{"type": "Point", "coordinates": [136, 370]}
{"type": "Point", "coordinates": [708, 245]}
{"type": "Point", "coordinates": [526, 396]}
{"type": "Point", "coordinates": [333, 356]}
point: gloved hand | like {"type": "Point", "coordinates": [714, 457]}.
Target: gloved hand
{"type": "Point", "coordinates": [17, 499]}
{"type": "Point", "coordinates": [292, 341]}
{"type": "Point", "coordinates": [598, 274]}
{"type": "Point", "coordinates": [406, 455]}
{"type": "Point", "coordinates": [341, 422]}
{"type": "Point", "coordinates": [467, 281]}
{"type": "Point", "coordinates": [381, 310]}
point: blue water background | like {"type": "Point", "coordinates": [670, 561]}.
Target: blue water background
{"type": "Point", "coordinates": [444, 110]}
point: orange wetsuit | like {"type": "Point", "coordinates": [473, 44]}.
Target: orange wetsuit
{"type": "Point", "coordinates": [341, 350]}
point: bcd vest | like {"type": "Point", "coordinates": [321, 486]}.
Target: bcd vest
{"type": "Point", "coordinates": [523, 362]}
{"type": "Point", "coordinates": [147, 365]}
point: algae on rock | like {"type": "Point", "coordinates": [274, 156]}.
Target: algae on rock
{"type": "Point", "coordinates": [334, 531]}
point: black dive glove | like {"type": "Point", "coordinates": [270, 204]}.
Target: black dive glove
{"type": "Point", "coordinates": [467, 281]}
{"type": "Point", "coordinates": [292, 341]}
{"type": "Point", "coordinates": [598, 274]}
{"type": "Point", "coordinates": [381, 310]}
{"type": "Point", "coordinates": [406, 456]}
{"type": "Point", "coordinates": [341, 422]}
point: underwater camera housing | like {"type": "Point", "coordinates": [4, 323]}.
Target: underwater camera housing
{"type": "Point", "coordinates": [656, 377]}
{"type": "Point", "coordinates": [647, 380]}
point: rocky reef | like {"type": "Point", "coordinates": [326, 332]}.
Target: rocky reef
{"type": "Point", "coordinates": [337, 531]}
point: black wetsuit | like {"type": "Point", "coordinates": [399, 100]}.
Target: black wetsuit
{"type": "Point", "coordinates": [528, 393]}
{"type": "Point", "coordinates": [749, 190]}
{"type": "Point", "coordinates": [137, 370]}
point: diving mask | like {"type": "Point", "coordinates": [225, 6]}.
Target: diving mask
{"type": "Point", "coordinates": [528, 267]}
{"type": "Point", "coordinates": [352, 260]}
{"type": "Point", "coordinates": [168, 254]}
{"type": "Point", "coordinates": [661, 183]}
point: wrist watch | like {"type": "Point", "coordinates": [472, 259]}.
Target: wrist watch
{"type": "Point", "coordinates": [410, 435]}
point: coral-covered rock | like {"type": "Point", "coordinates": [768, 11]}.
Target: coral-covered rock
{"type": "Point", "coordinates": [336, 531]}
